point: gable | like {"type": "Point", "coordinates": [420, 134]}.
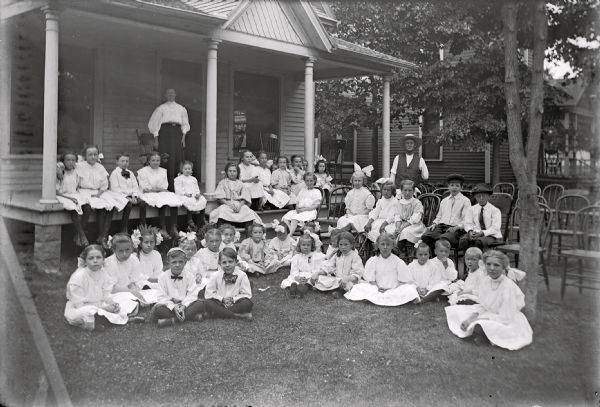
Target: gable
{"type": "Point", "coordinates": [267, 18]}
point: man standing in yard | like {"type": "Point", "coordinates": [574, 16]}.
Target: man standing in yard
{"type": "Point", "coordinates": [409, 165]}
{"type": "Point", "coordinates": [169, 124]}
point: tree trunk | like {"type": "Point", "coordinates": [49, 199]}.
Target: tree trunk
{"type": "Point", "coordinates": [525, 165]}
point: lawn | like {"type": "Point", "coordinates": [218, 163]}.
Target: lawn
{"type": "Point", "coordinates": [319, 351]}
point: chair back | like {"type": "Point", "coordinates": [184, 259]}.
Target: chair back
{"type": "Point", "coordinates": [376, 193]}
{"type": "Point", "coordinates": [442, 192]}
{"type": "Point", "coordinates": [431, 205]}
{"type": "Point", "coordinates": [539, 191]}
{"type": "Point", "coordinates": [146, 144]}
{"type": "Point", "coordinates": [503, 201]}
{"type": "Point", "coordinates": [587, 228]}
{"type": "Point", "coordinates": [505, 188]}
{"type": "Point", "coordinates": [552, 192]}
{"type": "Point", "coordinates": [567, 207]}
{"type": "Point", "coordinates": [426, 188]}
{"type": "Point", "coordinates": [544, 226]}
{"type": "Point", "coordinates": [337, 207]}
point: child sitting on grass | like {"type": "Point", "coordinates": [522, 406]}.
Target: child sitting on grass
{"type": "Point", "coordinates": [253, 249]}
{"type": "Point", "coordinates": [205, 262]}
{"type": "Point", "coordinates": [387, 278]}
{"type": "Point", "coordinates": [333, 243]}
{"type": "Point", "coordinates": [178, 293]}
{"type": "Point", "coordinates": [145, 239]}
{"type": "Point", "coordinates": [303, 265]}
{"type": "Point", "coordinates": [229, 236]}
{"type": "Point", "coordinates": [432, 277]}
{"type": "Point", "coordinates": [228, 291]}
{"type": "Point", "coordinates": [280, 249]}
{"type": "Point", "coordinates": [89, 303]}
{"type": "Point", "coordinates": [342, 271]}
{"type": "Point", "coordinates": [467, 292]}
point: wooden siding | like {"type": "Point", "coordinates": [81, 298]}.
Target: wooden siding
{"type": "Point", "coordinates": [265, 18]}
{"type": "Point", "coordinates": [21, 173]}
{"type": "Point", "coordinates": [292, 137]}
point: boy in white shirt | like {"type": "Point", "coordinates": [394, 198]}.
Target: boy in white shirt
{"type": "Point", "coordinates": [483, 222]}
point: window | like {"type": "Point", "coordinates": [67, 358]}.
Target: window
{"type": "Point", "coordinates": [430, 149]}
{"type": "Point", "coordinates": [256, 114]}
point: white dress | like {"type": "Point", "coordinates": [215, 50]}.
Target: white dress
{"type": "Point", "coordinates": [150, 178]}
{"type": "Point", "coordinates": [432, 275]}
{"type": "Point", "coordinates": [282, 180]}
{"type": "Point", "coordinates": [340, 269]}
{"type": "Point", "coordinates": [123, 274]}
{"type": "Point", "coordinates": [305, 199]}
{"type": "Point", "coordinates": [279, 254]}
{"type": "Point", "coordinates": [303, 265]}
{"type": "Point", "coordinates": [391, 275]}
{"type": "Point", "coordinates": [468, 289]}
{"type": "Point", "coordinates": [151, 265]}
{"type": "Point", "coordinates": [297, 183]}
{"type": "Point", "coordinates": [504, 324]}
{"type": "Point", "coordinates": [87, 291]}
{"type": "Point", "coordinates": [277, 198]}
{"type": "Point", "coordinates": [188, 184]}
{"type": "Point", "coordinates": [410, 213]}
{"type": "Point", "coordinates": [122, 185]}
{"type": "Point", "coordinates": [254, 254]}
{"type": "Point", "coordinates": [324, 181]}
{"type": "Point", "coordinates": [68, 187]}
{"type": "Point", "coordinates": [385, 210]}
{"type": "Point", "coordinates": [359, 203]}
{"type": "Point", "coordinates": [247, 172]}
{"type": "Point", "coordinates": [233, 190]}
{"type": "Point", "coordinates": [204, 263]}
{"type": "Point", "coordinates": [93, 179]}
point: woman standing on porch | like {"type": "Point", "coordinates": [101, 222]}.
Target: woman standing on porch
{"type": "Point", "coordinates": [169, 121]}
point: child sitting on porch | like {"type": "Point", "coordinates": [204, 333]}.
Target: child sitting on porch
{"type": "Point", "coordinates": [123, 181]}
{"type": "Point", "coordinates": [249, 176]}
{"type": "Point", "coordinates": [281, 179]}
{"type": "Point", "coordinates": [409, 220]}
{"type": "Point", "coordinates": [302, 266]}
{"type": "Point", "coordinates": [281, 248]}
{"type": "Point", "coordinates": [89, 303]}
{"type": "Point", "coordinates": [271, 196]}
{"type": "Point", "coordinates": [67, 194]}
{"type": "Point", "coordinates": [308, 202]}
{"type": "Point", "coordinates": [297, 173]}
{"type": "Point", "coordinates": [234, 198]}
{"type": "Point", "coordinates": [186, 187]}
{"type": "Point", "coordinates": [253, 249]}
{"type": "Point", "coordinates": [359, 202]}
{"type": "Point", "coordinates": [323, 178]}
{"type": "Point", "coordinates": [154, 184]}
{"type": "Point", "coordinates": [228, 292]}
{"type": "Point", "coordinates": [382, 217]}
{"type": "Point", "coordinates": [93, 184]}
{"type": "Point", "coordinates": [145, 240]}
{"type": "Point", "coordinates": [178, 293]}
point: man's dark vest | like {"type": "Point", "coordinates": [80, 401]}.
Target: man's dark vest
{"type": "Point", "coordinates": [412, 172]}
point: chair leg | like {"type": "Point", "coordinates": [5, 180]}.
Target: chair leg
{"type": "Point", "coordinates": [580, 272]}
{"type": "Point", "coordinates": [563, 284]}
{"type": "Point", "coordinates": [545, 271]}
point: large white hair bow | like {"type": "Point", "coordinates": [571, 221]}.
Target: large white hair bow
{"type": "Point", "coordinates": [320, 158]}
{"type": "Point", "coordinates": [188, 235]}
{"type": "Point", "coordinates": [277, 227]}
{"type": "Point", "coordinates": [366, 170]}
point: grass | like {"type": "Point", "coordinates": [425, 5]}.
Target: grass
{"type": "Point", "coordinates": [324, 352]}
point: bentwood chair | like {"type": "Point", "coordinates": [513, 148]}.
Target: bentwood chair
{"type": "Point", "coordinates": [552, 192]}
{"type": "Point", "coordinates": [506, 188]}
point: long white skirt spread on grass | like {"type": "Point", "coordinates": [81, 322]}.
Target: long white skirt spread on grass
{"type": "Point", "coordinates": [84, 316]}
{"type": "Point", "coordinates": [128, 302]}
{"type": "Point", "coordinates": [376, 225]}
{"type": "Point", "coordinates": [193, 204]}
{"type": "Point", "coordinates": [359, 222]}
{"type": "Point", "coordinates": [391, 298]}
{"type": "Point", "coordinates": [70, 205]}
{"type": "Point", "coordinates": [244, 215]}
{"type": "Point", "coordinates": [160, 199]}
{"type": "Point", "coordinates": [97, 203]}
{"type": "Point", "coordinates": [279, 199]}
{"type": "Point", "coordinates": [511, 335]}
{"type": "Point", "coordinates": [289, 280]}
{"type": "Point", "coordinates": [327, 283]}
{"type": "Point", "coordinates": [150, 295]}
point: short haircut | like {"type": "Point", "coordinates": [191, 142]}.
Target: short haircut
{"type": "Point", "coordinates": [154, 154]}
{"type": "Point", "coordinates": [122, 155]}
{"type": "Point", "coordinates": [311, 175]}
{"type": "Point", "coordinates": [306, 238]}
{"type": "Point", "coordinates": [390, 184]}
{"type": "Point", "coordinates": [423, 245]}
{"type": "Point", "coordinates": [261, 152]}
{"type": "Point", "coordinates": [344, 235]}
{"type": "Point", "coordinates": [175, 252]}
{"type": "Point", "coordinates": [283, 157]}
{"type": "Point", "coordinates": [503, 258]}
{"type": "Point", "coordinates": [229, 253]}
{"type": "Point", "coordinates": [254, 226]}
{"type": "Point", "coordinates": [384, 237]}
{"type": "Point", "coordinates": [443, 243]}
{"type": "Point", "coordinates": [407, 182]}
{"type": "Point", "coordinates": [474, 252]}
{"type": "Point", "coordinates": [237, 170]}
{"type": "Point", "coordinates": [86, 147]}
{"type": "Point", "coordinates": [226, 226]}
{"type": "Point", "coordinates": [121, 238]}
{"type": "Point", "coordinates": [64, 155]}
{"type": "Point", "coordinates": [184, 163]}
{"type": "Point", "coordinates": [212, 233]}
{"type": "Point", "coordinates": [90, 248]}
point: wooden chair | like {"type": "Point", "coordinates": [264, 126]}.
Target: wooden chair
{"type": "Point", "coordinates": [504, 202]}
{"type": "Point", "coordinates": [441, 192]}
{"type": "Point", "coordinates": [552, 192]}
{"type": "Point", "coordinates": [567, 207]}
{"type": "Point", "coordinates": [513, 245]}
{"type": "Point", "coordinates": [505, 188]}
{"type": "Point", "coordinates": [362, 243]}
{"type": "Point", "coordinates": [539, 191]}
{"type": "Point", "coordinates": [431, 204]}
{"type": "Point", "coordinates": [426, 188]}
{"type": "Point", "coordinates": [586, 234]}
{"type": "Point", "coordinates": [336, 207]}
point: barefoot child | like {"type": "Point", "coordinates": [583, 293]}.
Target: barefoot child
{"type": "Point", "coordinates": [359, 202]}
{"type": "Point", "coordinates": [303, 265]}
{"type": "Point", "coordinates": [382, 217]}
{"type": "Point", "coordinates": [186, 187]}
{"type": "Point", "coordinates": [308, 202]}
{"type": "Point", "coordinates": [467, 293]}
{"type": "Point", "coordinates": [387, 278]}
{"type": "Point", "coordinates": [280, 249]}
{"type": "Point", "coordinates": [123, 181]}
{"type": "Point", "coordinates": [253, 250]}
{"type": "Point", "coordinates": [178, 293]}
{"type": "Point", "coordinates": [228, 291]}
{"type": "Point", "coordinates": [145, 239]}
{"type": "Point", "coordinates": [409, 220]}
{"type": "Point", "coordinates": [89, 303]}
{"type": "Point", "coordinates": [342, 271]}
{"type": "Point", "coordinates": [498, 315]}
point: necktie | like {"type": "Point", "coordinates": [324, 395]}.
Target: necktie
{"type": "Point", "coordinates": [229, 278]}
{"type": "Point", "coordinates": [452, 199]}
{"type": "Point", "coordinates": [176, 277]}
{"type": "Point", "coordinates": [481, 222]}
{"type": "Point", "coordinates": [125, 174]}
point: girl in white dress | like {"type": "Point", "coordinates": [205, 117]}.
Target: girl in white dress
{"type": "Point", "coordinates": [498, 315]}
{"type": "Point", "coordinates": [467, 292]}
{"type": "Point", "coordinates": [308, 203]}
{"type": "Point", "coordinates": [341, 271]}
{"type": "Point", "coordinates": [145, 240]}
{"type": "Point", "coordinates": [93, 184]}
{"type": "Point", "coordinates": [323, 178]}
{"type": "Point", "coordinates": [234, 198]}
{"type": "Point", "coordinates": [273, 196]}
{"type": "Point", "coordinates": [281, 178]}
{"type": "Point", "coordinates": [154, 184]}
{"type": "Point", "coordinates": [253, 250]}
{"type": "Point", "coordinates": [122, 181]}
{"type": "Point", "coordinates": [250, 177]}
{"type": "Point", "coordinates": [359, 202]}
{"type": "Point", "coordinates": [383, 217]}
{"type": "Point", "coordinates": [67, 194]}
{"type": "Point", "coordinates": [432, 277]}
{"type": "Point", "coordinates": [89, 303]}
{"type": "Point", "coordinates": [302, 267]}
{"type": "Point", "coordinates": [205, 262]}
{"type": "Point", "coordinates": [297, 173]}
{"type": "Point", "coordinates": [387, 278]}
{"type": "Point", "coordinates": [281, 248]}
{"type": "Point", "coordinates": [409, 220]}
{"type": "Point", "coordinates": [186, 187]}
{"type": "Point", "coordinates": [229, 236]}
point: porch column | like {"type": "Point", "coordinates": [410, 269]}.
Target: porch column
{"type": "Point", "coordinates": [210, 154]}
{"type": "Point", "coordinates": [5, 85]}
{"type": "Point", "coordinates": [50, 108]}
{"type": "Point", "coordinates": [385, 167]}
{"type": "Point", "coordinates": [309, 112]}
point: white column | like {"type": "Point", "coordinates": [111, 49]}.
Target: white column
{"type": "Point", "coordinates": [488, 162]}
{"type": "Point", "coordinates": [309, 112]}
{"type": "Point", "coordinates": [385, 167]}
{"type": "Point", "coordinates": [50, 108]}
{"type": "Point", "coordinates": [5, 84]}
{"type": "Point", "coordinates": [210, 153]}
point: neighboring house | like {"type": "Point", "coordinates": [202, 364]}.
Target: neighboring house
{"type": "Point", "coordinates": [76, 72]}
